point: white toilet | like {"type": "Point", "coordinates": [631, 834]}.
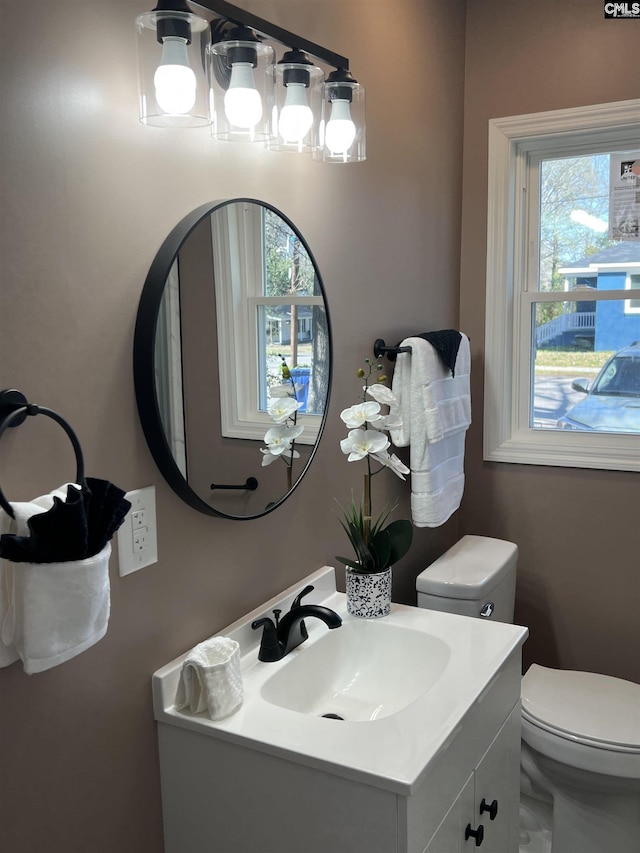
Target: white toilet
{"type": "Point", "coordinates": [580, 731]}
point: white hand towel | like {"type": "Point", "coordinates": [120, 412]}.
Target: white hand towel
{"type": "Point", "coordinates": [62, 609]}
{"type": "Point", "coordinates": [447, 398]}
{"type": "Point", "coordinates": [433, 508]}
{"type": "Point", "coordinates": [435, 410]}
{"type": "Point", "coordinates": [17, 525]}
{"type": "Point", "coordinates": [210, 679]}
{"type": "Point", "coordinates": [8, 652]}
{"type": "Point", "coordinates": [400, 411]}
{"type": "Point", "coordinates": [56, 610]}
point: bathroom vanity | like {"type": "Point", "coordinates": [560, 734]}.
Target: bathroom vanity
{"type": "Point", "coordinates": [424, 757]}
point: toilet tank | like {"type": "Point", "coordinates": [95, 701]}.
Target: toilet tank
{"type": "Point", "coordinates": [476, 577]}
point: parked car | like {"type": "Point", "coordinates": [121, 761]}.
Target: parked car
{"type": "Point", "coordinates": [612, 402]}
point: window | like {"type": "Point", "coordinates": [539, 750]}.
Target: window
{"type": "Point", "coordinates": [563, 252]}
{"type": "Point", "coordinates": [270, 308]}
{"type": "Point", "coordinates": [632, 306]}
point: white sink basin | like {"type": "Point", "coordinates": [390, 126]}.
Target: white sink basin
{"type": "Point", "coordinates": [360, 671]}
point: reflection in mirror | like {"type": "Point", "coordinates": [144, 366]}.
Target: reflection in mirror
{"type": "Point", "coordinates": [233, 342]}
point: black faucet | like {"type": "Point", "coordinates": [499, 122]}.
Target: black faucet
{"type": "Point", "coordinates": [286, 634]}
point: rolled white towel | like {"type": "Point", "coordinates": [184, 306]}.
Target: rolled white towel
{"type": "Point", "coordinates": [210, 679]}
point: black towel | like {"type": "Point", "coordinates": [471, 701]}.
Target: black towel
{"type": "Point", "coordinates": [447, 342]}
{"type": "Point", "coordinates": [74, 529]}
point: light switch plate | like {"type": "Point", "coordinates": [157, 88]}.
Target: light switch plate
{"type": "Point", "coordinates": [137, 536]}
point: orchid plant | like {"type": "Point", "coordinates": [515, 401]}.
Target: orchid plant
{"type": "Point", "coordinates": [376, 546]}
{"type": "Point", "coordinates": [283, 409]}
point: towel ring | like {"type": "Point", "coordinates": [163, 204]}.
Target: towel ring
{"type": "Point", "coordinates": [14, 409]}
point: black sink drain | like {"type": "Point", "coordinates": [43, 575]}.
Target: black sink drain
{"type": "Point", "coordinates": [333, 717]}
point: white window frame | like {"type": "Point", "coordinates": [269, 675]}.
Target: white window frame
{"type": "Point", "coordinates": [513, 142]}
{"type": "Point", "coordinates": [630, 284]}
{"type": "Point", "coordinates": [238, 271]}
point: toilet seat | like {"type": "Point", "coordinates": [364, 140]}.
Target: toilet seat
{"type": "Point", "coordinates": [579, 739]}
{"type": "Point", "coordinates": [596, 710]}
{"type": "Point", "coordinates": [583, 719]}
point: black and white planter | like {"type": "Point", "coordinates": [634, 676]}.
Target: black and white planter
{"type": "Point", "coordinates": [368, 595]}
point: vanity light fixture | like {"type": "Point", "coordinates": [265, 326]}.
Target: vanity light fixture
{"type": "Point", "coordinates": [240, 89]}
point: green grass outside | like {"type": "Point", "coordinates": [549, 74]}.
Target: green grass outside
{"type": "Point", "coordinates": [571, 358]}
{"type": "Point", "coordinates": [546, 358]}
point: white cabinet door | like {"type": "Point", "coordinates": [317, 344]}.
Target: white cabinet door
{"type": "Point", "coordinates": [498, 784]}
{"type": "Point", "coordinates": [449, 837]}
{"type": "Point", "coordinates": [485, 813]}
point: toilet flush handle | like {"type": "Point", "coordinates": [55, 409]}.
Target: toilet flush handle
{"type": "Point", "coordinates": [487, 610]}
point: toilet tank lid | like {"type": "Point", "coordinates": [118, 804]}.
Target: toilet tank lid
{"type": "Point", "coordinates": [583, 705]}
{"type": "Point", "coordinates": [470, 569]}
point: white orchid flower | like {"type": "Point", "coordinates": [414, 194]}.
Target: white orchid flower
{"type": "Point", "coordinates": [282, 408]}
{"type": "Point", "coordinates": [381, 394]}
{"type": "Point", "coordinates": [268, 457]}
{"type": "Point", "coordinates": [286, 390]}
{"type": "Point", "coordinates": [391, 461]}
{"type": "Point", "coordinates": [280, 391]}
{"type": "Point", "coordinates": [360, 443]}
{"type": "Point", "coordinates": [356, 416]}
{"type": "Point", "coordinates": [278, 440]}
{"type": "Point", "coordinates": [390, 421]}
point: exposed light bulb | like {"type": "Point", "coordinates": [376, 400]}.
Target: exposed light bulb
{"type": "Point", "coordinates": [242, 102]}
{"type": "Point", "coordinates": [340, 131]}
{"type": "Point", "coordinates": [174, 80]}
{"type": "Point", "coordinates": [296, 116]}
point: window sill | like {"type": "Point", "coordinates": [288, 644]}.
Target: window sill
{"type": "Point", "coordinates": [571, 449]}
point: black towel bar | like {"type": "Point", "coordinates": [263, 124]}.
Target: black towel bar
{"type": "Point", "coordinates": [380, 349]}
{"type": "Point", "coordinates": [250, 485]}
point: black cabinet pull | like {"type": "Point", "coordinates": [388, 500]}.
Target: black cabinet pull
{"type": "Point", "coordinates": [478, 834]}
{"type": "Point", "coordinates": [492, 809]}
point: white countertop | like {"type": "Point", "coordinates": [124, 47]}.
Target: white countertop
{"type": "Point", "coordinates": [390, 752]}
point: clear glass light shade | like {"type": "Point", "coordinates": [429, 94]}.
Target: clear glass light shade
{"type": "Point", "coordinates": [342, 132]}
{"type": "Point", "coordinates": [242, 90]}
{"type": "Point", "coordinates": [172, 79]}
{"type": "Point", "coordinates": [298, 107]}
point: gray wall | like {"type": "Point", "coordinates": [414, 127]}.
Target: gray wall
{"type": "Point", "coordinates": [88, 195]}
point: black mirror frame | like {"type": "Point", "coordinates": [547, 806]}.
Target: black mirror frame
{"type": "Point", "coordinates": [144, 358]}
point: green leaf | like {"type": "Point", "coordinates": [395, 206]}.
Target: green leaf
{"type": "Point", "coordinates": [351, 563]}
{"type": "Point", "coordinates": [380, 520]}
{"type": "Point", "coordinates": [401, 536]}
{"type": "Point", "coordinates": [381, 548]}
{"type": "Point", "coordinates": [386, 545]}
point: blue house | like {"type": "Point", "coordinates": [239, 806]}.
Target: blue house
{"type": "Point", "coordinates": [615, 323]}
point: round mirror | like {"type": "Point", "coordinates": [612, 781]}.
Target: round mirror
{"type": "Point", "coordinates": [232, 358]}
